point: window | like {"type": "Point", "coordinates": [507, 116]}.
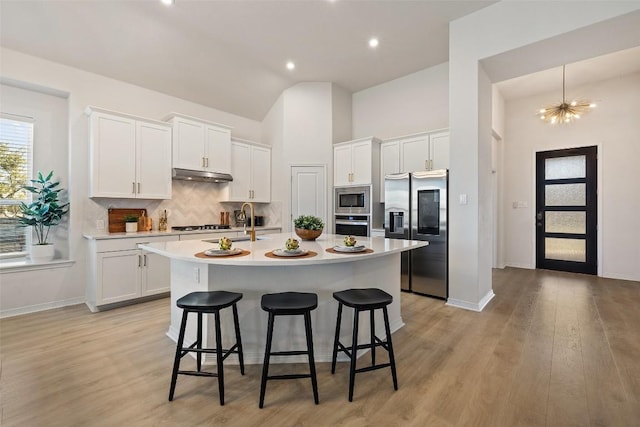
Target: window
{"type": "Point", "coordinates": [16, 147]}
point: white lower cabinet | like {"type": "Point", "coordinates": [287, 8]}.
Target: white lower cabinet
{"type": "Point", "coordinates": [120, 272]}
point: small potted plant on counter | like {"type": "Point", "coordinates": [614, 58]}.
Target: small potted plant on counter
{"type": "Point", "coordinates": [308, 227]}
{"type": "Point", "coordinates": [131, 223]}
{"type": "Point", "coordinates": [42, 213]}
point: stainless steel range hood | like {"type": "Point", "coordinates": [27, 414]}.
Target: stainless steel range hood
{"type": "Point", "coordinates": [201, 176]}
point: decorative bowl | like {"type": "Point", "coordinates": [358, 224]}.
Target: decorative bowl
{"type": "Point", "coordinates": [305, 234]}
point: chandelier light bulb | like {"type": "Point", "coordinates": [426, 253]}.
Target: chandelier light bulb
{"type": "Point", "coordinates": [565, 112]}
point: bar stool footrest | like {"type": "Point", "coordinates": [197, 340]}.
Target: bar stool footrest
{"type": "Point", "coordinates": [198, 374]}
{"type": "Point", "coordinates": [288, 376]}
{"type": "Point", "coordinates": [373, 368]}
{"type": "Point", "coordinates": [288, 353]}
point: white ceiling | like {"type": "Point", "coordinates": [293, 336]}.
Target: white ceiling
{"type": "Point", "coordinates": [576, 74]}
{"type": "Point", "coordinates": [231, 55]}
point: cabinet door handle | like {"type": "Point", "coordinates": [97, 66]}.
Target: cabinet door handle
{"type": "Point", "coordinates": [139, 261]}
{"type": "Point", "coordinates": [145, 260]}
{"type": "Point", "coordinates": [203, 162]}
{"type": "Point", "coordinates": [138, 188]}
{"type": "Point", "coordinates": [207, 161]}
{"type": "Point", "coordinates": [133, 187]}
{"type": "Point", "coordinates": [426, 164]}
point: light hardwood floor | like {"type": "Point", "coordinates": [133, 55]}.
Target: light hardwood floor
{"type": "Point", "coordinates": [551, 349]}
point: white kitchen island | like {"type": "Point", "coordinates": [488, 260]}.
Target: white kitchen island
{"type": "Point", "coordinates": [256, 274]}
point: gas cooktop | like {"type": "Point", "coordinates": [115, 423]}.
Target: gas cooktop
{"type": "Point", "coordinates": [200, 227]}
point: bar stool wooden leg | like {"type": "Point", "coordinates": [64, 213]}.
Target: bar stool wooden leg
{"type": "Point", "coordinates": [219, 358]}
{"type": "Point", "coordinates": [236, 324]}
{"type": "Point", "coordinates": [392, 359]}
{"type": "Point", "coordinates": [312, 364]}
{"type": "Point", "coordinates": [354, 354]}
{"type": "Point", "coordinates": [199, 343]}
{"type": "Point", "coordinates": [336, 340]}
{"type": "Point", "coordinates": [373, 337]}
{"type": "Point", "coordinates": [176, 360]}
{"type": "Point", "coordinates": [267, 355]}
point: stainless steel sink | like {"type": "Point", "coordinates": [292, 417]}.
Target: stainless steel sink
{"type": "Point", "coordinates": [238, 239]}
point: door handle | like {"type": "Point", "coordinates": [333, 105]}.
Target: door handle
{"type": "Point", "coordinates": [539, 219]}
{"type": "Point", "coordinates": [133, 187]}
{"type": "Point", "coordinates": [138, 188]}
{"type": "Point", "coordinates": [139, 261]}
{"type": "Point", "coordinates": [145, 260]}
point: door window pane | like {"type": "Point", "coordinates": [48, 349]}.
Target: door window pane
{"type": "Point", "coordinates": [565, 195]}
{"type": "Point", "coordinates": [565, 249]}
{"type": "Point", "coordinates": [565, 222]}
{"type": "Point", "coordinates": [565, 167]}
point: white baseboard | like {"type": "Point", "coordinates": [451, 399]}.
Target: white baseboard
{"type": "Point", "coordinates": [40, 307]}
{"type": "Point", "coordinates": [479, 306]}
{"type": "Point", "coordinates": [520, 265]}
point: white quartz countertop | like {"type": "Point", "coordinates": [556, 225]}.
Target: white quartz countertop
{"type": "Point", "coordinates": [104, 236]}
{"type": "Point", "coordinates": [186, 250]}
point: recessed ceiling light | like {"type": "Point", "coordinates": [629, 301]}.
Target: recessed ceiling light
{"type": "Point", "coordinates": [168, 2]}
{"type": "Point", "coordinates": [373, 42]}
{"type": "Point", "coordinates": [290, 65]}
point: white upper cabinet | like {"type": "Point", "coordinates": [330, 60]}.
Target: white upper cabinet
{"type": "Point", "coordinates": [251, 171]}
{"type": "Point", "coordinates": [423, 151]}
{"type": "Point", "coordinates": [130, 157]}
{"type": "Point", "coordinates": [200, 145]}
{"type": "Point", "coordinates": [355, 162]}
{"type": "Point", "coordinates": [439, 150]}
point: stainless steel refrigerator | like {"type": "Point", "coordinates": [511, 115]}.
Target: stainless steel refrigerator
{"type": "Point", "coordinates": [416, 209]}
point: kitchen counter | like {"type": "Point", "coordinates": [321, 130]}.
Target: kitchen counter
{"type": "Point", "coordinates": [256, 274]}
{"type": "Point", "coordinates": [156, 233]}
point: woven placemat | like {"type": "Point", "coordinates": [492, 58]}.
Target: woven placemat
{"type": "Point", "coordinates": [240, 254]}
{"type": "Point", "coordinates": [333, 251]}
{"type": "Point", "coordinates": [309, 254]}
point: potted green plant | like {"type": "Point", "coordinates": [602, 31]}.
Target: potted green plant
{"type": "Point", "coordinates": [308, 227]}
{"type": "Point", "coordinates": [131, 223]}
{"type": "Point", "coordinates": [44, 211]}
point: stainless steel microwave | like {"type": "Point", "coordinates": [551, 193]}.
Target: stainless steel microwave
{"type": "Point", "coordinates": [353, 200]}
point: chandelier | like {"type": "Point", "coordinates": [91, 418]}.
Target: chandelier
{"type": "Point", "coordinates": [566, 112]}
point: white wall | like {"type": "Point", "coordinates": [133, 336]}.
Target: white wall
{"type": "Point", "coordinates": [513, 27]}
{"type": "Point", "coordinates": [299, 129]}
{"type": "Point", "coordinates": [25, 290]}
{"type": "Point", "coordinates": [341, 113]}
{"type": "Point", "coordinates": [614, 127]}
{"type": "Point", "coordinates": [413, 103]}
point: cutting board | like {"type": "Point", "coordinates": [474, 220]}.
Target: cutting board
{"type": "Point", "coordinates": [116, 218]}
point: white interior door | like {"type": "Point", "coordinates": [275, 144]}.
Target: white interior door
{"type": "Point", "coordinates": [309, 192]}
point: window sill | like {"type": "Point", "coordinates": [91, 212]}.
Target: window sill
{"type": "Point", "coordinates": [21, 264]}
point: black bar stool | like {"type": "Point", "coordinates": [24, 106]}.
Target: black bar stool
{"type": "Point", "coordinates": [289, 304]}
{"type": "Point", "coordinates": [207, 302]}
{"type": "Point", "coordinates": [369, 300]}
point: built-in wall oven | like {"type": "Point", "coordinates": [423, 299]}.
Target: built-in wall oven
{"type": "Point", "coordinates": [353, 210]}
{"type": "Point", "coordinates": [353, 225]}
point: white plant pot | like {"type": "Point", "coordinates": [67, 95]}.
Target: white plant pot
{"type": "Point", "coordinates": [42, 253]}
{"type": "Point", "coordinates": [131, 227]}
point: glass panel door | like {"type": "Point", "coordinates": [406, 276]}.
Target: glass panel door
{"type": "Point", "coordinates": [566, 210]}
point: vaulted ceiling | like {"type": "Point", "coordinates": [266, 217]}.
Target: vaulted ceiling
{"type": "Point", "coordinates": [231, 55]}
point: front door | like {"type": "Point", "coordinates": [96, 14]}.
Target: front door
{"type": "Point", "coordinates": [566, 210]}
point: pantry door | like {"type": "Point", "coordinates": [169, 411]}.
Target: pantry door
{"type": "Point", "coordinates": [566, 210]}
{"type": "Point", "coordinates": [309, 191]}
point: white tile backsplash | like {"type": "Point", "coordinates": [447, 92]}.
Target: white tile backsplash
{"type": "Point", "coordinates": [192, 203]}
